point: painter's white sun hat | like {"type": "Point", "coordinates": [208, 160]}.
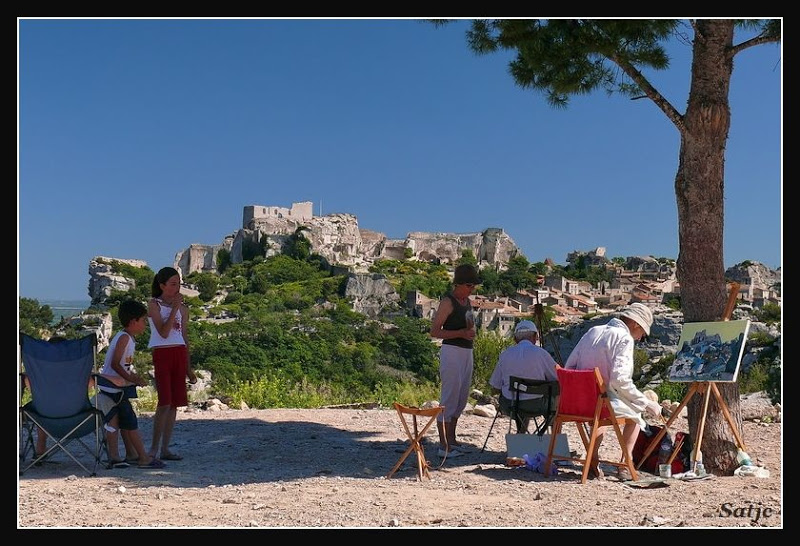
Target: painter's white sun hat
{"type": "Point", "coordinates": [641, 314]}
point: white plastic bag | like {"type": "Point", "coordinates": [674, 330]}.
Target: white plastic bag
{"type": "Point", "coordinates": [750, 470]}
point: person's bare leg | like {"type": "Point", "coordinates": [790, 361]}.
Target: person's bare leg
{"type": "Point", "coordinates": [630, 433]}
{"type": "Point", "coordinates": [451, 433]}
{"type": "Point", "coordinates": [594, 469]}
{"type": "Point", "coordinates": [444, 433]}
{"type": "Point", "coordinates": [159, 423]}
{"type": "Point", "coordinates": [131, 452]}
{"type": "Point", "coordinates": [134, 439]}
{"type": "Point", "coordinates": [112, 440]}
{"type": "Point", "coordinates": [166, 433]}
{"type": "Point", "coordinates": [41, 441]}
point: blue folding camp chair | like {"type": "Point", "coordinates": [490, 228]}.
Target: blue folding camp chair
{"type": "Point", "coordinates": [59, 375]}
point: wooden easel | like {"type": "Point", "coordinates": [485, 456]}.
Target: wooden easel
{"type": "Point", "coordinates": [706, 389]}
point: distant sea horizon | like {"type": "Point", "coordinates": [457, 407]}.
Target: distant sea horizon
{"type": "Point", "coordinates": [66, 308]}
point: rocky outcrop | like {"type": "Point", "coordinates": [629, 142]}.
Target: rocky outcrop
{"type": "Point", "coordinates": [753, 273]}
{"type": "Point", "coordinates": [665, 333]}
{"type": "Point", "coordinates": [336, 237]}
{"type": "Point", "coordinates": [370, 294]}
{"type": "Point", "coordinates": [339, 239]}
{"type": "Point", "coordinates": [648, 266]}
{"type": "Point", "coordinates": [756, 406]}
{"type": "Point", "coordinates": [99, 323]}
{"type": "Point", "coordinates": [102, 278]}
{"type": "Point", "coordinates": [492, 247]}
{"type": "Point", "coordinates": [200, 257]}
{"type": "Point", "coordinates": [663, 340]}
{"type": "Point", "coordinates": [372, 243]}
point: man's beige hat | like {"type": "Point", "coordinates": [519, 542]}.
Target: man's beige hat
{"type": "Point", "coordinates": [641, 314]}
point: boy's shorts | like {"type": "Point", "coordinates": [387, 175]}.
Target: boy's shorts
{"type": "Point", "coordinates": [117, 403]}
{"type": "Point", "coordinates": [126, 415]}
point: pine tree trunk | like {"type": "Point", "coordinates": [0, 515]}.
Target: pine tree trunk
{"type": "Point", "coordinates": [699, 189]}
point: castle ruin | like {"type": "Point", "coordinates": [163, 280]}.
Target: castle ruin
{"type": "Point", "coordinates": [299, 212]}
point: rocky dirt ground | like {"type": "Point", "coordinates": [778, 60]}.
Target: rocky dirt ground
{"type": "Point", "coordinates": [289, 468]}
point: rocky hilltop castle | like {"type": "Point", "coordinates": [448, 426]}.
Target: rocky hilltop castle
{"type": "Point", "coordinates": [339, 239]}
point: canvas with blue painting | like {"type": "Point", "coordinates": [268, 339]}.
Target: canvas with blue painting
{"type": "Point", "coordinates": [710, 351]}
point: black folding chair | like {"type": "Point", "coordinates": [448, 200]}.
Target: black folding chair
{"type": "Point", "coordinates": [542, 420]}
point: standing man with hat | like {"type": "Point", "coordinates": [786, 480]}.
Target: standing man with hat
{"type": "Point", "coordinates": [454, 324]}
{"type": "Point", "coordinates": [609, 348]}
{"type": "Point", "coordinates": [528, 360]}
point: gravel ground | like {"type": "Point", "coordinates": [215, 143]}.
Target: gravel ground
{"type": "Point", "coordinates": [327, 468]}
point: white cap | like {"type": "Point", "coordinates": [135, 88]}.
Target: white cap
{"type": "Point", "coordinates": [641, 314]}
{"type": "Point", "coordinates": [526, 326]}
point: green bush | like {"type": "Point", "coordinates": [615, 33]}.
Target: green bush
{"type": "Point", "coordinates": [233, 296]}
{"type": "Point", "coordinates": [770, 313]}
{"type": "Point", "coordinates": [670, 390]}
{"type": "Point", "coordinates": [760, 339]}
{"type": "Point", "coordinates": [640, 360]}
{"type": "Point", "coordinates": [754, 379]}
{"type": "Point", "coordinates": [486, 351]}
{"type": "Point", "coordinates": [277, 390]}
{"type": "Point", "coordinates": [774, 383]}
{"type": "Point", "coordinates": [207, 284]}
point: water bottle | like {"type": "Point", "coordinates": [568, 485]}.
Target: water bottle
{"type": "Point", "coordinates": [743, 458]}
{"type": "Point", "coordinates": [665, 450]}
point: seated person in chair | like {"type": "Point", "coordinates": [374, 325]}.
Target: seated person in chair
{"type": "Point", "coordinates": [528, 360]}
{"type": "Point", "coordinates": [609, 347]}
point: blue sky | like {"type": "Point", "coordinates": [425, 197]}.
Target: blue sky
{"type": "Point", "coordinates": [137, 138]}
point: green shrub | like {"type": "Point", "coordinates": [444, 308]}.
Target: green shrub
{"type": "Point", "coordinates": [774, 383]}
{"type": "Point", "coordinates": [671, 390]}
{"type": "Point", "coordinates": [760, 339]}
{"type": "Point", "coordinates": [770, 313]}
{"type": "Point", "coordinates": [233, 296]}
{"type": "Point", "coordinates": [754, 379]}
{"type": "Point", "coordinates": [640, 360]}
{"type": "Point", "coordinates": [405, 393]}
{"type": "Point", "coordinates": [147, 400]}
{"type": "Point", "coordinates": [276, 390]}
{"type": "Point", "coordinates": [486, 351]}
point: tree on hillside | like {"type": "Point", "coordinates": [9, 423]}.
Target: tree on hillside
{"type": "Point", "coordinates": [297, 246]}
{"type": "Point", "coordinates": [561, 58]}
{"type": "Point", "coordinates": [34, 319]}
{"type": "Point", "coordinates": [467, 257]}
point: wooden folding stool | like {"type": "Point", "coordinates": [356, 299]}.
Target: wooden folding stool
{"type": "Point", "coordinates": [416, 436]}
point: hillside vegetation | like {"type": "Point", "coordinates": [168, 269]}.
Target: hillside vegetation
{"type": "Point", "coordinates": [277, 332]}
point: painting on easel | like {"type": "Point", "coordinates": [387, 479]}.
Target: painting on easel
{"type": "Point", "coordinates": [710, 351]}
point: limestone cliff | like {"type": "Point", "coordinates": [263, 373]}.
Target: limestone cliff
{"type": "Point", "coordinates": [201, 257]}
{"type": "Point", "coordinates": [102, 279]}
{"type": "Point", "coordinates": [753, 273]}
{"type": "Point", "coordinates": [371, 294]}
{"type": "Point", "coordinates": [339, 239]}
